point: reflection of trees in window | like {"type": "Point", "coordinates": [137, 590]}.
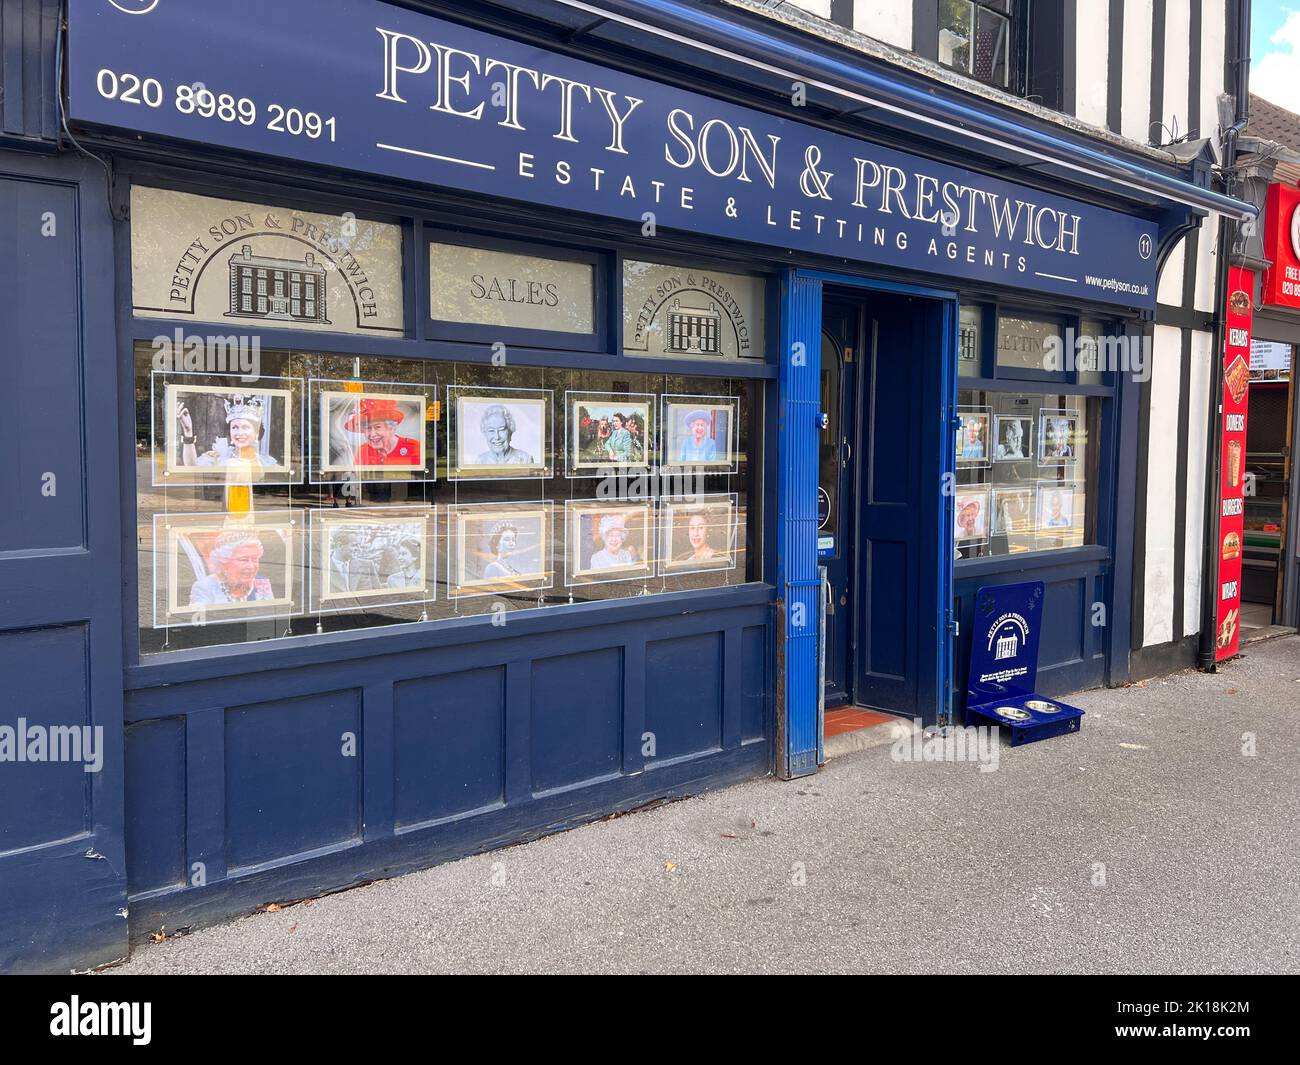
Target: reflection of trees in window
{"type": "Point", "coordinates": [975, 37]}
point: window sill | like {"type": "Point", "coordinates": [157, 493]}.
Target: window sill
{"type": "Point", "coordinates": [204, 663]}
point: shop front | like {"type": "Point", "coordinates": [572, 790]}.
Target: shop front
{"type": "Point", "coordinates": [1270, 587]}
{"type": "Point", "coordinates": [484, 414]}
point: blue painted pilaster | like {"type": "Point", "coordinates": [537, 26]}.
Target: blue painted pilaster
{"type": "Point", "coordinates": [799, 589]}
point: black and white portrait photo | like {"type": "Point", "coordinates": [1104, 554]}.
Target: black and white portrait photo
{"type": "Point", "coordinates": [224, 566]}
{"type": "Point", "coordinates": [500, 434]}
{"type": "Point", "coordinates": [235, 435]}
{"type": "Point", "coordinates": [699, 534]}
{"type": "Point", "coordinates": [500, 548]}
{"type": "Point", "coordinates": [1059, 437]}
{"type": "Point", "coordinates": [1012, 434]}
{"type": "Point", "coordinates": [1013, 511]}
{"type": "Point", "coordinates": [609, 541]}
{"type": "Point", "coordinates": [372, 557]}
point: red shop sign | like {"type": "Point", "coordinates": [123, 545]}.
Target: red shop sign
{"type": "Point", "coordinates": [1282, 246]}
{"type": "Point", "coordinates": [1232, 476]}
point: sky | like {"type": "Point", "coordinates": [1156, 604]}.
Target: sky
{"type": "Point", "coordinates": [1275, 52]}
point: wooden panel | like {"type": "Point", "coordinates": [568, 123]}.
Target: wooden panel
{"type": "Point", "coordinates": [754, 666]}
{"type": "Point", "coordinates": [290, 786]}
{"type": "Point", "coordinates": [684, 694]}
{"type": "Point", "coordinates": [44, 673]}
{"type": "Point", "coordinates": [42, 475]}
{"type": "Point", "coordinates": [155, 804]}
{"type": "Point", "coordinates": [577, 718]}
{"type": "Point", "coordinates": [449, 737]}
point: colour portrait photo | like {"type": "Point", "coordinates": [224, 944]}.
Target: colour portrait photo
{"type": "Point", "coordinates": [699, 535]}
{"type": "Point", "coordinates": [366, 432]}
{"type": "Point", "coordinates": [235, 435]}
{"type": "Point", "coordinates": [700, 431]}
{"type": "Point", "coordinates": [609, 431]}
{"type": "Point", "coordinates": [609, 542]}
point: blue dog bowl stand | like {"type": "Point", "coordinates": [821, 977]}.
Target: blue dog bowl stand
{"type": "Point", "coordinates": [1004, 666]}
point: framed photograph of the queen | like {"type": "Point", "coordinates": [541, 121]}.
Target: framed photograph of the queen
{"type": "Point", "coordinates": [700, 432]}
{"type": "Point", "coordinates": [499, 433]}
{"type": "Point", "coordinates": [699, 534]}
{"type": "Point", "coordinates": [609, 433]}
{"type": "Point", "coordinates": [228, 432]}
{"type": "Point", "coordinates": [1061, 437]}
{"type": "Point", "coordinates": [973, 436]}
{"type": "Point", "coordinates": [1061, 509]}
{"type": "Point", "coordinates": [499, 549]}
{"type": "Point", "coordinates": [608, 541]}
{"type": "Point", "coordinates": [209, 568]}
{"type": "Point", "coordinates": [971, 507]}
{"type": "Point", "coordinates": [1013, 438]}
{"type": "Point", "coordinates": [369, 431]}
{"type": "Point", "coordinates": [372, 557]}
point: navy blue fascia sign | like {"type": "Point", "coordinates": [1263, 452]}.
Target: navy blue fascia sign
{"type": "Point", "coordinates": [365, 86]}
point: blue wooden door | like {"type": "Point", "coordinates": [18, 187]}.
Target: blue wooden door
{"type": "Point", "coordinates": [62, 864]}
{"type": "Point", "coordinates": [899, 465]}
{"type": "Point", "coordinates": [841, 343]}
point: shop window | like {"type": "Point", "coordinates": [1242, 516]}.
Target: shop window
{"type": "Point", "coordinates": [339, 492]}
{"type": "Point", "coordinates": [1027, 472]}
{"type": "Point", "coordinates": [693, 312]}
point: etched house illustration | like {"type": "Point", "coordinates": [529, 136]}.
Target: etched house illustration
{"type": "Point", "coordinates": [1007, 647]}
{"type": "Point", "coordinates": [693, 330]}
{"type": "Point", "coordinates": [276, 289]}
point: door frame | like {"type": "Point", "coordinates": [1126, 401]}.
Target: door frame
{"type": "Point", "coordinates": [801, 326]}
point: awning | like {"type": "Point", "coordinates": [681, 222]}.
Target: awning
{"type": "Point", "coordinates": [727, 43]}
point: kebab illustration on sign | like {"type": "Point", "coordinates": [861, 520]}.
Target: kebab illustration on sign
{"type": "Point", "coordinates": [1237, 378]}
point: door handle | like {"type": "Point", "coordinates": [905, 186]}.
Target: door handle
{"type": "Point", "coordinates": [848, 456]}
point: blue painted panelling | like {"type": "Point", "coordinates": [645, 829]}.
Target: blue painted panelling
{"type": "Point", "coordinates": [754, 681]}
{"type": "Point", "coordinates": [155, 804]}
{"type": "Point", "coordinates": [42, 365]}
{"type": "Point", "coordinates": [28, 74]}
{"type": "Point", "coordinates": [577, 721]}
{"type": "Point", "coordinates": [44, 673]}
{"type": "Point", "coordinates": [449, 739]}
{"type": "Point", "coordinates": [684, 694]}
{"type": "Point", "coordinates": [890, 586]}
{"type": "Point", "coordinates": [290, 786]}
{"type": "Point", "coordinates": [1065, 639]}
